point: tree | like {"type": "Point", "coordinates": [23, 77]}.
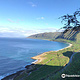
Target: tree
{"type": "Point", "coordinates": [71, 21]}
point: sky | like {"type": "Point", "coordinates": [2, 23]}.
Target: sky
{"type": "Point", "coordinates": [22, 18]}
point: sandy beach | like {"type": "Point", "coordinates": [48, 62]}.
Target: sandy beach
{"type": "Point", "coordinates": [65, 47]}
{"type": "Point", "coordinates": [37, 59]}
{"type": "Point", "coordinates": [40, 57]}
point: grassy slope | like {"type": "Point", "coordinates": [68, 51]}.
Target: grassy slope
{"type": "Point", "coordinates": [74, 67]}
{"type": "Point", "coordinates": [47, 35]}
{"type": "Point", "coordinates": [57, 60]}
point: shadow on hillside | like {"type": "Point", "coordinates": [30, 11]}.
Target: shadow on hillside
{"type": "Point", "coordinates": [40, 72]}
{"type": "Point", "coordinates": [68, 54]}
{"type": "Point", "coordinates": [71, 36]}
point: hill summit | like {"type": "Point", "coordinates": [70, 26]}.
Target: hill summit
{"type": "Point", "coordinates": [72, 34]}
{"type": "Point", "coordinates": [46, 35]}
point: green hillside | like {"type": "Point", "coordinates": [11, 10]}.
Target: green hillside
{"type": "Point", "coordinates": [53, 63]}
{"type": "Point", "coordinates": [47, 35]}
{"type": "Point", "coordinates": [70, 35]}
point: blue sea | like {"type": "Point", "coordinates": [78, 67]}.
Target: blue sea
{"type": "Point", "coordinates": [16, 53]}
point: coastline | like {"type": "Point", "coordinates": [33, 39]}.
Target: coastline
{"type": "Point", "coordinates": [37, 59]}
{"type": "Point", "coordinates": [12, 76]}
{"type": "Point", "coordinates": [65, 47]}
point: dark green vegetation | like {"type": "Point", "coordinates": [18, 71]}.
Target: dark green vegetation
{"type": "Point", "coordinates": [49, 35]}
{"type": "Point", "coordinates": [54, 63]}
{"type": "Point", "coordinates": [51, 67]}
{"type": "Point", "coordinates": [72, 69]}
{"type": "Point", "coordinates": [70, 35]}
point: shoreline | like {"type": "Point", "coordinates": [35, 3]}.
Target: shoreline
{"type": "Point", "coordinates": [37, 59]}
{"type": "Point", "coordinates": [65, 47]}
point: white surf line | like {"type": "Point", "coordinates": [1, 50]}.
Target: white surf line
{"type": "Point", "coordinates": [65, 47]}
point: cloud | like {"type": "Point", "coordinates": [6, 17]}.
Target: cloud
{"type": "Point", "coordinates": [46, 23]}
{"type": "Point", "coordinates": [21, 32]}
{"type": "Point", "coordinates": [50, 29]}
{"type": "Point", "coordinates": [40, 18]}
{"type": "Point", "coordinates": [32, 4]}
{"type": "Point", "coordinates": [37, 31]}
{"type": "Point", "coordinates": [11, 20]}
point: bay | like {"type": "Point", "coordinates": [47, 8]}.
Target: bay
{"type": "Point", "coordinates": [16, 53]}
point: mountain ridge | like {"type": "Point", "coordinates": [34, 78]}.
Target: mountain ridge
{"type": "Point", "coordinates": [46, 35]}
{"type": "Point", "coordinates": [69, 35]}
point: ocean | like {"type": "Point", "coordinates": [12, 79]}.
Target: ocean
{"type": "Point", "coordinates": [16, 53]}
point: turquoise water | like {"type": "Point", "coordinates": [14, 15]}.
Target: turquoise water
{"type": "Point", "coordinates": [16, 53]}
